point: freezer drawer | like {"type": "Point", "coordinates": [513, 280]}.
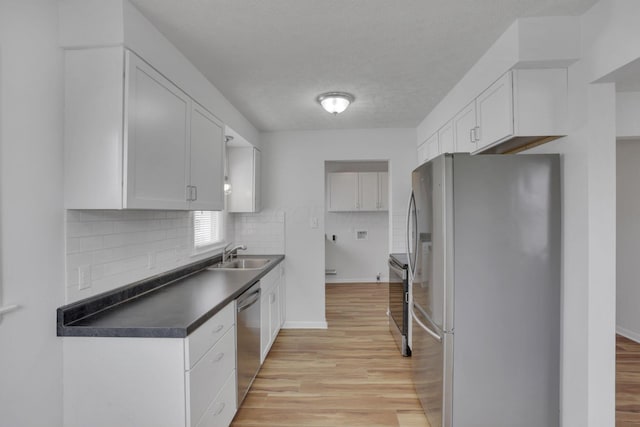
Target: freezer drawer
{"type": "Point", "coordinates": [427, 354]}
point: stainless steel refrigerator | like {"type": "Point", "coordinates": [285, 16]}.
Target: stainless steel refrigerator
{"type": "Point", "coordinates": [484, 242]}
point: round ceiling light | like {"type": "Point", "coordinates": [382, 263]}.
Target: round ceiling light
{"type": "Point", "coordinates": [335, 102]}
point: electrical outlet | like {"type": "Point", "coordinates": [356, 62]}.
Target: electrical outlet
{"type": "Point", "coordinates": [151, 261]}
{"type": "Point", "coordinates": [84, 277]}
{"type": "Point", "coordinates": [378, 277]}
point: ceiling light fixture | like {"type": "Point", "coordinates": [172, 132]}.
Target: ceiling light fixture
{"type": "Point", "coordinates": [335, 102]}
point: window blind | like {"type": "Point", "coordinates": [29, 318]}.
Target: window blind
{"type": "Point", "coordinates": [207, 228]}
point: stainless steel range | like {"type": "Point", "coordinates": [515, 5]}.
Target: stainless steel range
{"type": "Point", "coordinates": [399, 301]}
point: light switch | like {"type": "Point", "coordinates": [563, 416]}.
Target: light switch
{"type": "Point", "coordinates": [313, 222]}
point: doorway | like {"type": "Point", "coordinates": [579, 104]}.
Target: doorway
{"type": "Point", "coordinates": [356, 221]}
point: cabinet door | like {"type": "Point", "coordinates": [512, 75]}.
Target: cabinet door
{"type": "Point", "coordinates": [423, 153]}
{"type": "Point", "coordinates": [445, 138]}
{"type": "Point", "coordinates": [257, 186]}
{"type": "Point", "coordinates": [343, 191]}
{"type": "Point", "coordinates": [464, 124]}
{"type": "Point", "coordinates": [383, 191]}
{"type": "Point", "coordinates": [429, 145]}
{"type": "Point", "coordinates": [495, 112]}
{"type": "Point", "coordinates": [368, 191]}
{"type": "Point", "coordinates": [283, 296]}
{"type": "Point", "coordinates": [156, 142]}
{"type": "Point", "coordinates": [207, 168]}
{"type": "Point", "coordinates": [265, 326]}
{"type": "Point", "coordinates": [434, 147]}
{"type": "Point", "coordinates": [274, 312]}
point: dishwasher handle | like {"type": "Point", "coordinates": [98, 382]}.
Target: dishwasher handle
{"type": "Point", "coordinates": [248, 301]}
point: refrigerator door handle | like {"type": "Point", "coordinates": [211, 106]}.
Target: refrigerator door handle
{"type": "Point", "coordinates": [423, 326]}
{"type": "Point", "coordinates": [410, 210]}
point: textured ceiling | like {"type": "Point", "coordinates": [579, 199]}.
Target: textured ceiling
{"type": "Point", "coordinates": [271, 58]}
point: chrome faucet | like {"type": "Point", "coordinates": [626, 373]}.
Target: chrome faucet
{"type": "Point", "coordinates": [228, 253]}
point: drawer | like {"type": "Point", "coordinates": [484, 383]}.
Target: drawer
{"type": "Point", "coordinates": [222, 410]}
{"type": "Point", "coordinates": [208, 376]}
{"type": "Point", "coordinates": [203, 338]}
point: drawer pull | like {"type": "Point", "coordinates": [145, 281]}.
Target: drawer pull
{"type": "Point", "coordinates": [220, 408]}
{"type": "Point", "coordinates": [218, 329]}
{"type": "Point", "coordinates": [218, 358]}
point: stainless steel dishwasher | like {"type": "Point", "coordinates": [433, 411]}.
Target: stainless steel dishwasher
{"type": "Point", "coordinates": [248, 338]}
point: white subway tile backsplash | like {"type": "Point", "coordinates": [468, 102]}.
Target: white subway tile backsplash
{"type": "Point", "coordinates": [115, 248]}
{"type": "Point", "coordinates": [263, 232]}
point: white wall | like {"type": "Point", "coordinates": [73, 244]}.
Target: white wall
{"type": "Point", "coordinates": [32, 213]}
{"type": "Point", "coordinates": [293, 181]}
{"type": "Point", "coordinates": [628, 239]}
{"type": "Point", "coordinates": [357, 260]}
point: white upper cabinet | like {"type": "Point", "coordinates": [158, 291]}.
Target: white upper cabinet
{"type": "Point", "coordinates": [244, 177]}
{"type": "Point", "coordinates": [494, 113]}
{"type": "Point", "coordinates": [445, 138]}
{"type": "Point", "coordinates": [207, 156]}
{"type": "Point", "coordinates": [464, 124]}
{"type": "Point", "coordinates": [343, 191]}
{"type": "Point", "coordinates": [368, 191]}
{"type": "Point", "coordinates": [358, 191]}
{"type": "Point", "coordinates": [521, 109]}
{"type": "Point", "coordinates": [156, 139]}
{"type": "Point", "coordinates": [134, 140]}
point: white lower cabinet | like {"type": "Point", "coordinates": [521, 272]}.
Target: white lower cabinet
{"type": "Point", "coordinates": [223, 408]}
{"type": "Point", "coordinates": [271, 309]}
{"type": "Point", "coordinates": [153, 382]}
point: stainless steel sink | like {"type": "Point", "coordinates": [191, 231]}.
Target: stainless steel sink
{"type": "Point", "coordinates": [242, 264]}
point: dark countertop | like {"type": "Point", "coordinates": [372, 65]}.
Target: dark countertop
{"type": "Point", "coordinates": [401, 259]}
{"type": "Point", "coordinates": [171, 310]}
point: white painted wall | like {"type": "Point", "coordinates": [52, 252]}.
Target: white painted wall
{"type": "Point", "coordinates": [357, 260]}
{"type": "Point", "coordinates": [628, 239]}
{"type": "Point", "coordinates": [293, 181]}
{"type": "Point", "coordinates": [32, 213]}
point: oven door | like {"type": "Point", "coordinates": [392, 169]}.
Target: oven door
{"type": "Point", "coordinates": [398, 299]}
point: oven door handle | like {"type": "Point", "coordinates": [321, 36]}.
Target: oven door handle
{"type": "Point", "coordinates": [399, 271]}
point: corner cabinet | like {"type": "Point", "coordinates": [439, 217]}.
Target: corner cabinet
{"type": "Point", "coordinates": [244, 177]}
{"type": "Point", "coordinates": [134, 140]}
{"type": "Point", "coordinates": [358, 191]}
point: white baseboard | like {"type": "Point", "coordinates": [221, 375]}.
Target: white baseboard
{"type": "Point", "coordinates": [633, 336]}
{"type": "Point", "coordinates": [304, 325]}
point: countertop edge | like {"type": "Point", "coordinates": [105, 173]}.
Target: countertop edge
{"type": "Point", "coordinates": [64, 329]}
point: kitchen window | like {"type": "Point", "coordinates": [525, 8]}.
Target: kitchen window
{"type": "Point", "coordinates": [207, 229]}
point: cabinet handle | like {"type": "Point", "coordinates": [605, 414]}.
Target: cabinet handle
{"type": "Point", "coordinates": [220, 409]}
{"type": "Point", "coordinates": [218, 329]}
{"type": "Point", "coordinates": [218, 358]}
{"type": "Point", "coordinates": [477, 133]}
{"type": "Point", "coordinates": [188, 193]}
{"type": "Point", "coordinates": [471, 137]}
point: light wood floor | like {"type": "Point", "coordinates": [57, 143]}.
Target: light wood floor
{"type": "Point", "coordinates": [351, 374]}
{"type": "Point", "coordinates": [627, 382]}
